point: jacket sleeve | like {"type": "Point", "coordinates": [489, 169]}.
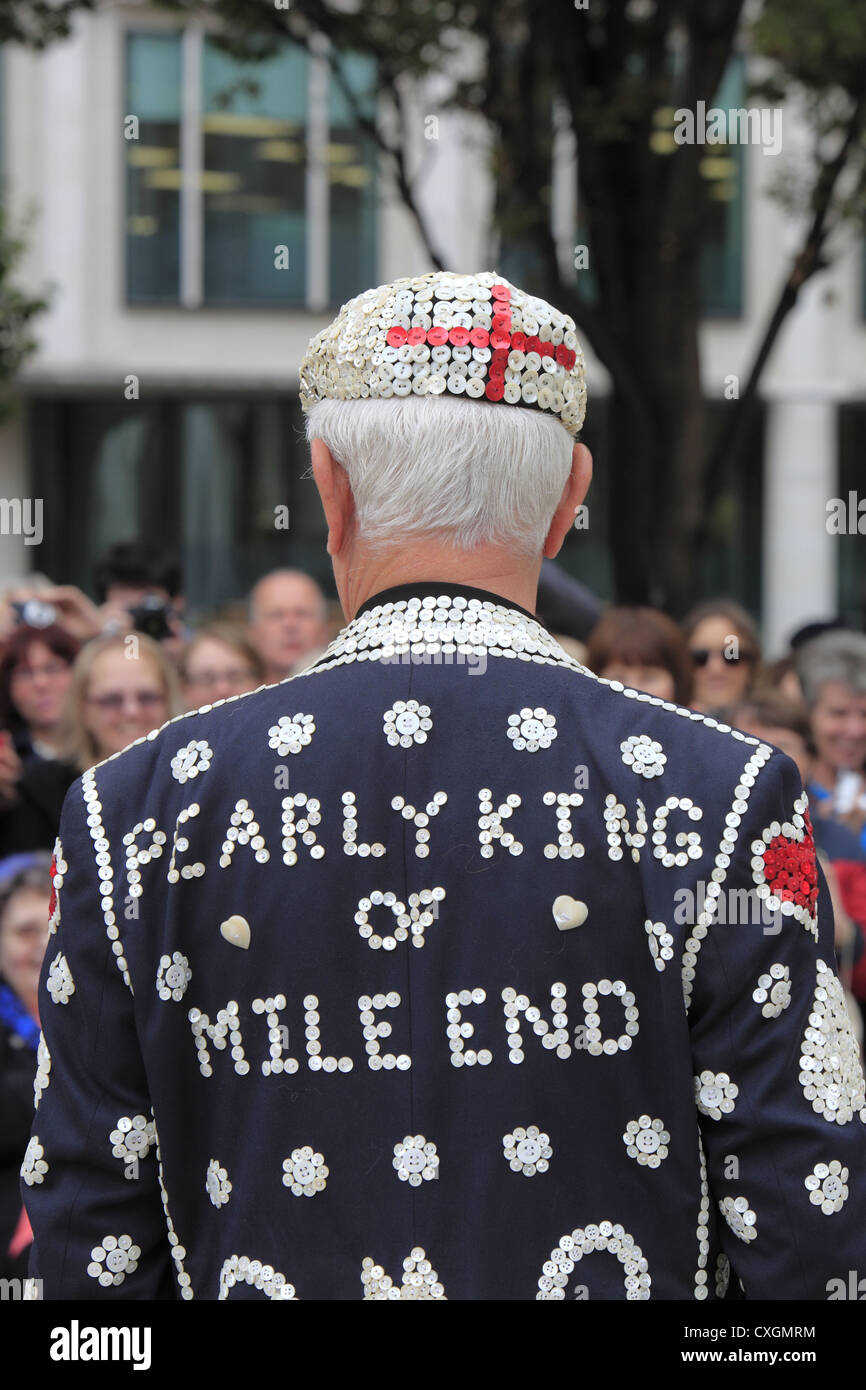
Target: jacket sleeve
{"type": "Point", "coordinates": [778, 1079]}
{"type": "Point", "coordinates": [90, 1178]}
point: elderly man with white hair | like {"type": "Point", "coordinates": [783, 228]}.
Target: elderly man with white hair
{"type": "Point", "coordinates": [444, 969]}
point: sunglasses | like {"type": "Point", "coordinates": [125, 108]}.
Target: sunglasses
{"type": "Point", "coordinates": [700, 656]}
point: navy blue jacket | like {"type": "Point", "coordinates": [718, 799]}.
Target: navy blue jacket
{"type": "Point", "coordinates": [447, 970]}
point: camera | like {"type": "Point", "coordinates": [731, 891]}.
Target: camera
{"type": "Point", "coordinates": [151, 616]}
{"type": "Point", "coordinates": [34, 613]}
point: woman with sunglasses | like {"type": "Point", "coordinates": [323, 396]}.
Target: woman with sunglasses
{"type": "Point", "coordinates": [725, 650]}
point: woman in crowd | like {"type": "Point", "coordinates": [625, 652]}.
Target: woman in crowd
{"type": "Point", "coordinates": [832, 671]}
{"type": "Point", "coordinates": [25, 886]}
{"type": "Point", "coordinates": [218, 662]}
{"type": "Point", "coordinates": [725, 652]}
{"type": "Point", "coordinates": [35, 673]}
{"type": "Point", "coordinates": [122, 687]}
{"type": "Point", "coordinates": [113, 698]}
{"type": "Point", "coordinates": [644, 649]}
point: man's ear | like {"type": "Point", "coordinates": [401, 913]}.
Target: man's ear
{"type": "Point", "coordinates": [335, 492]}
{"type": "Point", "coordinates": [574, 492]}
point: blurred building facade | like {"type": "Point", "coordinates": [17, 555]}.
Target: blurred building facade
{"type": "Point", "coordinates": [199, 219]}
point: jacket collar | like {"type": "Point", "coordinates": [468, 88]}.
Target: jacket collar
{"type": "Point", "coordinates": [432, 589]}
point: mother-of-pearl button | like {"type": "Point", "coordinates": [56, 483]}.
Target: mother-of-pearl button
{"type": "Point", "coordinates": [236, 930]}
{"type": "Point", "coordinates": [569, 912]}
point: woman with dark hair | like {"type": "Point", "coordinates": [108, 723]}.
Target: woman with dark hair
{"type": "Point", "coordinates": [644, 649]}
{"type": "Point", "coordinates": [35, 670]}
{"type": "Point", "coordinates": [25, 887]}
{"type": "Point", "coordinates": [35, 673]}
{"type": "Point", "coordinates": [725, 650]}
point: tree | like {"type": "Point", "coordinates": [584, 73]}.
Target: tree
{"type": "Point", "coordinates": [17, 310]}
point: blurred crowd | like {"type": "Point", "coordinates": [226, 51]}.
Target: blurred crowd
{"type": "Point", "coordinates": [70, 696]}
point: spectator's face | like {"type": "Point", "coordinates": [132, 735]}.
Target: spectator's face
{"type": "Point", "coordinates": [214, 671]}
{"type": "Point", "coordinates": [718, 679]}
{"type": "Point", "coordinates": [23, 938]}
{"type": "Point", "coordinates": [287, 622]}
{"type": "Point", "coordinates": [788, 740]}
{"type": "Point", "coordinates": [839, 726]}
{"type": "Point", "coordinates": [655, 680]}
{"type": "Point", "coordinates": [125, 699]}
{"type": "Point", "coordinates": [38, 685]}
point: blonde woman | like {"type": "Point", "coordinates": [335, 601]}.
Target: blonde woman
{"type": "Point", "coordinates": [121, 688]}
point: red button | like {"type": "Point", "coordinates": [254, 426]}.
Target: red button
{"type": "Point", "coordinates": [459, 336]}
{"type": "Point", "coordinates": [561, 355]}
{"type": "Point", "coordinates": [496, 371]}
{"type": "Point", "coordinates": [500, 340]}
{"type": "Point", "coordinates": [501, 323]}
{"type": "Point", "coordinates": [416, 336]}
{"type": "Point", "coordinates": [437, 336]}
{"type": "Point", "coordinates": [533, 344]}
{"type": "Point", "coordinates": [546, 349]}
{"type": "Point", "coordinates": [396, 337]}
{"type": "Point", "coordinates": [494, 390]}
{"type": "Point", "coordinates": [479, 337]}
{"type": "Point", "coordinates": [571, 359]}
{"type": "Point", "coordinates": [518, 341]}
{"type": "Point", "coordinates": [500, 291]}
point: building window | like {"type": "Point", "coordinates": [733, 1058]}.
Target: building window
{"type": "Point", "coordinates": [215, 478]}
{"type": "Point", "coordinates": [248, 183]}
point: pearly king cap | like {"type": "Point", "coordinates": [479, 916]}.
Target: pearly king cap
{"type": "Point", "coordinates": [471, 335]}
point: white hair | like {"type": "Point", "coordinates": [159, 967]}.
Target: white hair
{"type": "Point", "coordinates": [471, 472]}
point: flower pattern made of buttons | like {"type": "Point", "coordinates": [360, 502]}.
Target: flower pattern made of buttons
{"type": "Point", "coordinates": [305, 1172]}
{"type": "Point", "coordinates": [132, 1137]}
{"type": "Point", "coordinates": [217, 1184]}
{"type": "Point", "coordinates": [646, 1140]}
{"type": "Point", "coordinates": [407, 722]}
{"type": "Point", "coordinates": [661, 943]}
{"type": "Point", "coordinates": [528, 1151]}
{"type": "Point", "coordinates": [827, 1186]}
{"type": "Point", "coordinates": [43, 1071]}
{"type": "Point", "coordinates": [173, 976]}
{"type": "Point", "coordinates": [785, 869]}
{"type": "Point", "coordinates": [584, 1241]}
{"type": "Point", "coordinates": [34, 1167]}
{"type": "Point", "coordinates": [420, 1280]}
{"type": "Point", "coordinates": [111, 1261]}
{"type": "Point", "coordinates": [643, 755]}
{"type": "Point", "coordinates": [60, 984]}
{"type": "Point", "coordinates": [715, 1094]}
{"type": "Point", "coordinates": [831, 1073]}
{"type": "Point", "coordinates": [240, 1269]}
{"type": "Point", "coordinates": [740, 1217]}
{"type": "Point", "coordinates": [416, 1160]}
{"type": "Point", "coordinates": [532, 729]}
{"type": "Point", "coordinates": [773, 991]}
{"type": "Point", "coordinates": [59, 867]}
{"type": "Point", "coordinates": [188, 762]}
{"type": "Point", "coordinates": [291, 735]}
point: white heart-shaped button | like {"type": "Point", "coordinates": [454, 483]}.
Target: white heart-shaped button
{"type": "Point", "coordinates": [569, 912]}
{"type": "Point", "coordinates": [236, 930]}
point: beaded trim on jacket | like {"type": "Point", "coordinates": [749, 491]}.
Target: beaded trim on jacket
{"type": "Point", "coordinates": [447, 625]}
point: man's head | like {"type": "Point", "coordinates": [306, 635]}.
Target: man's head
{"type": "Point", "coordinates": [441, 414]}
{"type": "Point", "coordinates": [288, 620]}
